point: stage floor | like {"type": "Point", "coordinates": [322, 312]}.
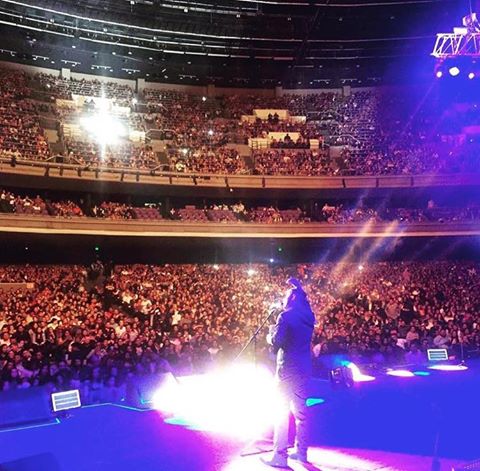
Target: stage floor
{"type": "Point", "coordinates": [113, 438]}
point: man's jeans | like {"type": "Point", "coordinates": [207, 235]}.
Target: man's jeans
{"type": "Point", "coordinates": [294, 392]}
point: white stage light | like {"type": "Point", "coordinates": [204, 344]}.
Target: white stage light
{"type": "Point", "coordinates": [104, 128]}
{"type": "Point", "coordinates": [454, 71]}
{"type": "Point", "coordinates": [240, 401]}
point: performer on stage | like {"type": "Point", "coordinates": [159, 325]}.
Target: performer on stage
{"type": "Point", "coordinates": [291, 337]}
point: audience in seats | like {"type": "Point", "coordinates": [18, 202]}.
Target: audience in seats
{"type": "Point", "coordinates": [320, 213]}
{"type": "Point", "coordinates": [84, 327]}
{"type": "Point", "coordinates": [382, 131]}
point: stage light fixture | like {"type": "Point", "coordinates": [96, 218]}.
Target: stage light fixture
{"type": "Point", "coordinates": [66, 400]}
{"type": "Point", "coordinates": [471, 75]}
{"type": "Point", "coordinates": [439, 74]}
{"type": "Point", "coordinates": [357, 375]}
{"type": "Point", "coordinates": [454, 71]}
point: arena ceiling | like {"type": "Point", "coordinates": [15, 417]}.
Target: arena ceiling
{"type": "Point", "coordinates": [235, 43]}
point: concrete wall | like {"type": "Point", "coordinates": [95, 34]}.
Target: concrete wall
{"type": "Point", "coordinates": [267, 92]}
{"type": "Point", "coordinates": [31, 69]}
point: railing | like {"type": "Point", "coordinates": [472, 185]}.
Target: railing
{"type": "Point", "coordinates": [161, 177]}
{"type": "Point", "coordinates": [167, 228]}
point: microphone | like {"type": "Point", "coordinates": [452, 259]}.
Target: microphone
{"type": "Point", "coordinates": [274, 307]}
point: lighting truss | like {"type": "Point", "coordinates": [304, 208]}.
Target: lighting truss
{"type": "Point", "coordinates": [450, 45]}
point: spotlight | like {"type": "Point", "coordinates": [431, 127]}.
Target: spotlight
{"type": "Point", "coordinates": [471, 75]}
{"type": "Point", "coordinates": [219, 401]}
{"type": "Point", "coordinates": [104, 128]}
{"type": "Point", "coordinates": [439, 74]}
{"type": "Point", "coordinates": [341, 377]}
{"type": "Point", "coordinates": [454, 71]}
{"type": "Point", "coordinates": [204, 98]}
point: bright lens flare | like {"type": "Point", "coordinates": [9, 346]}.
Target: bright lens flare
{"type": "Point", "coordinates": [104, 128]}
{"type": "Point", "coordinates": [241, 401]}
{"type": "Point", "coordinates": [454, 71]}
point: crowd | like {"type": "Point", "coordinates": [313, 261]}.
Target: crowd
{"type": "Point", "coordinates": [207, 160]}
{"type": "Point", "coordinates": [369, 132]}
{"type": "Point", "coordinates": [320, 212]}
{"type": "Point", "coordinates": [20, 131]}
{"type": "Point", "coordinates": [64, 89]}
{"type": "Point", "coordinates": [304, 162]}
{"type": "Point", "coordinates": [340, 214]}
{"type": "Point", "coordinates": [124, 154]}
{"type": "Point", "coordinates": [63, 328]}
{"type": "Point", "coordinates": [26, 205]}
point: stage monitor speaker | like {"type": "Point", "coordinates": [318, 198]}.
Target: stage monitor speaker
{"type": "Point", "coordinates": [23, 406]}
{"type": "Point", "coordinates": [42, 462]}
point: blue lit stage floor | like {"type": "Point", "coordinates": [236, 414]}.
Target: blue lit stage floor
{"type": "Point", "coordinates": [111, 438]}
{"type": "Point", "coordinates": [391, 424]}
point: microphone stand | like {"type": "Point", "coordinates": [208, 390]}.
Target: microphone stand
{"type": "Point", "coordinates": [460, 339]}
{"type": "Point", "coordinates": [257, 446]}
{"type": "Point", "coordinates": [253, 338]}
